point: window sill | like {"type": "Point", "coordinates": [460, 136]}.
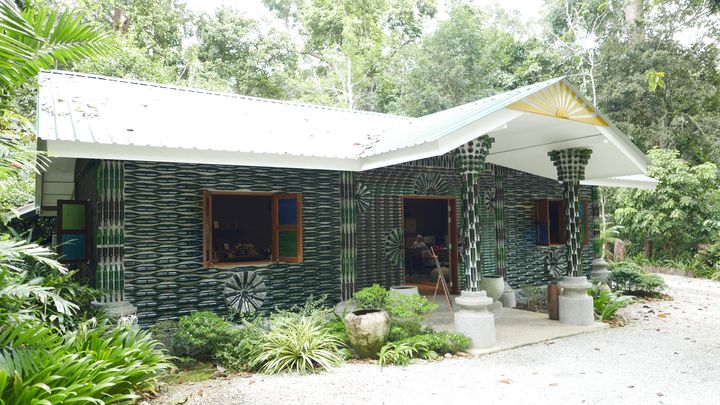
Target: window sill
{"type": "Point", "coordinates": [230, 265]}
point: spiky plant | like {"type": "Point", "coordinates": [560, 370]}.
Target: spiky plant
{"type": "Point", "coordinates": [297, 344]}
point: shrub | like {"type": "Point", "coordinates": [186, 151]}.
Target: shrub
{"type": "Point", "coordinates": [236, 353]}
{"type": "Point", "coordinates": [93, 365]}
{"type": "Point", "coordinates": [296, 343]}
{"type": "Point", "coordinates": [398, 306]}
{"type": "Point", "coordinates": [441, 342]}
{"type": "Point", "coordinates": [403, 328]}
{"type": "Point", "coordinates": [630, 277]}
{"type": "Point", "coordinates": [373, 297]}
{"type": "Point", "coordinates": [201, 334]}
{"type": "Point", "coordinates": [607, 303]}
{"type": "Point", "coordinates": [535, 298]}
{"type": "Point", "coordinates": [337, 328]}
{"type": "Point", "coordinates": [400, 353]}
{"type": "Point", "coordinates": [406, 311]}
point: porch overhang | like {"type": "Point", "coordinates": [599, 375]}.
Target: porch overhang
{"type": "Point", "coordinates": [95, 117]}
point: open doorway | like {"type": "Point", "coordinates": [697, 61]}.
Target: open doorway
{"type": "Point", "coordinates": [429, 222]}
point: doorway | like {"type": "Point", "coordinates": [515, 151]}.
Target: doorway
{"type": "Point", "coordinates": [430, 222]}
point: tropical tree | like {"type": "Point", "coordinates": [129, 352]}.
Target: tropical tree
{"type": "Point", "coordinates": [347, 44]}
{"type": "Point", "coordinates": [238, 54]}
{"type": "Point", "coordinates": [677, 214]}
{"type": "Point", "coordinates": [473, 54]}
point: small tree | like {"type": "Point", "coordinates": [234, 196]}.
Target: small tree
{"type": "Point", "coordinates": [676, 213]}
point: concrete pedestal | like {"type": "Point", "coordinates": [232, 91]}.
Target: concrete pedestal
{"type": "Point", "coordinates": [600, 272]}
{"type": "Point", "coordinates": [473, 319]}
{"type": "Point", "coordinates": [405, 289]}
{"type": "Point", "coordinates": [508, 297]}
{"type": "Point", "coordinates": [576, 306]}
{"type": "Point", "coordinates": [116, 310]}
{"type": "Point", "coordinates": [494, 286]}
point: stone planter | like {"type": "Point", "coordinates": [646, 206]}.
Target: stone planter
{"type": "Point", "coordinates": [600, 272]}
{"type": "Point", "coordinates": [494, 286]}
{"type": "Point", "coordinates": [473, 319]}
{"type": "Point", "coordinates": [508, 297]}
{"type": "Point", "coordinates": [575, 305]}
{"type": "Point", "coordinates": [405, 289]}
{"type": "Point", "coordinates": [367, 331]}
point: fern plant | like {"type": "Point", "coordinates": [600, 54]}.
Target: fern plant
{"type": "Point", "coordinates": [607, 303]}
{"type": "Point", "coordinates": [401, 353]}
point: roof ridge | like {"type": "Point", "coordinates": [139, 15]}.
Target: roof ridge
{"type": "Point", "coordinates": [220, 93]}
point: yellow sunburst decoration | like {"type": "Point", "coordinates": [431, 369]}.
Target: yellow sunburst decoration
{"type": "Point", "coordinates": [559, 100]}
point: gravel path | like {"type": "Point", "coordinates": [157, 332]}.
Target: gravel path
{"type": "Point", "coordinates": [668, 354]}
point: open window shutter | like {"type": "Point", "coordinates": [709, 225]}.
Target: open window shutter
{"type": "Point", "coordinates": [287, 227]}
{"type": "Point", "coordinates": [207, 229]}
{"type": "Point", "coordinates": [73, 225]}
{"type": "Point", "coordinates": [541, 221]}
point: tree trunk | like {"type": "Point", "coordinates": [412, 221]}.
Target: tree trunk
{"type": "Point", "coordinates": [648, 248]}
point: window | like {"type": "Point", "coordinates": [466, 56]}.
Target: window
{"type": "Point", "coordinates": [72, 231]}
{"type": "Point", "coordinates": [550, 222]}
{"type": "Point", "coordinates": [251, 228]}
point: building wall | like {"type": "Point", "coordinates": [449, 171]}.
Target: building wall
{"type": "Point", "coordinates": [525, 259]}
{"type": "Point", "coordinates": [164, 273]}
{"type": "Point", "coordinates": [379, 227]}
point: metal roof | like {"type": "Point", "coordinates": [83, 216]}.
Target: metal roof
{"type": "Point", "coordinates": [87, 116]}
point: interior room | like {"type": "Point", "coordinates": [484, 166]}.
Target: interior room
{"type": "Point", "coordinates": [426, 227]}
{"type": "Point", "coordinates": [242, 228]}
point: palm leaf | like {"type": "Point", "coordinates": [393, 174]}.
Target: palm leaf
{"type": "Point", "coordinates": [40, 38]}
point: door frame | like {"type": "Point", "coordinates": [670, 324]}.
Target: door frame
{"type": "Point", "coordinates": [452, 232]}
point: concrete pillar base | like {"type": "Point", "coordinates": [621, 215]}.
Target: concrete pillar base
{"type": "Point", "coordinates": [473, 319]}
{"type": "Point", "coordinates": [496, 308]}
{"type": "Point", "coordinates": [600, 272]}
{"type": "Point", "coordinates": [117, 310]}
{"type": "Point", "coordinates": [405, 289]}
{"type": "Point", "coordinates": [576, 306]}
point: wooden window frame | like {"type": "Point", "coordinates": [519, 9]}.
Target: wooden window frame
{"type": "Point", "coordinates": [540, 219]}
{"type": "Point", "coordinates": [296, 227]}
{"type": "Point", "coordinates": [207, 228]}
{"type": "Point", "coordinates": [60, 232]}
{"type": "Point", "coordinates": [585, 204]}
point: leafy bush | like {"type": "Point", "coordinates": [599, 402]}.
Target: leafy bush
{"type": "Point", "coordinates": [404, 328]}
{"type": "Point", "coordinates": [441, 342]}
{"type": "Point", "coordinates": [709, 258]}
{"type": "Point", "coordinates": [406, 311]}
{"type": "Point", "coordinates": [607, 303]}
{"type": "Point", "coordinates": [200, 334]}
{"type": "Point", "coordinates": [236, 353]}
{"type": "Point", "coordinates": [373, 297]}
{"type": "Point", "coordinates": [94, 364]}
{"type": "Point", "coordinates": [630, 277]}
{"type": "Point", "coordinates": [535, 298]}
{"type": "Point", "coordinates": [296, 343]}
{"type": "Point", "coordinates": [400, 353]}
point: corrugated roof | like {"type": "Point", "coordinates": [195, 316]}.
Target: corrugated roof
{"type": "Point", "coordinates": [95, 117]}
{"type": "Point", "coordinates": [96, 109]}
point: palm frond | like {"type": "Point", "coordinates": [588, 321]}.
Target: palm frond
{"type": "Point", "coordinates": [40, 38]}
{"type": "Point", "coordinates": [14, 252]}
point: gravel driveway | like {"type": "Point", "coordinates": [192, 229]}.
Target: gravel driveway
{"type": "Point", "coordinates": [669, 353]}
